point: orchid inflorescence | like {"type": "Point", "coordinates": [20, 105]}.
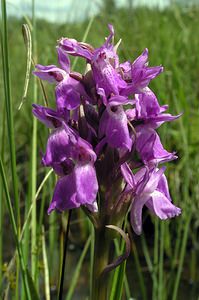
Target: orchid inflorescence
{"type": "Point", "coordinates": [103, 145]}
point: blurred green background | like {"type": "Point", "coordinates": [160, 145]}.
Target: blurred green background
{"type": "Point", "coordinates": [166, 257]}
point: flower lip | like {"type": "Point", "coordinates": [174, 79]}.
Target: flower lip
{"type": "Point", "coordinates": [151, 189]}
{"type": "Point", "coordinates": [73, 190]}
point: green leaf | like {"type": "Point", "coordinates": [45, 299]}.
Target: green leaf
{"type": "Point", "coordinates": [34, 294]}
{"type": "Point", "coordinates": [76, 273]}
{"type": "Point", "coordinates": [118, 277]}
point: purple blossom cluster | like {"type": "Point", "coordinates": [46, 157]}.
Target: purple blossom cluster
{"type": "Point", "coordinates": [103, 140]}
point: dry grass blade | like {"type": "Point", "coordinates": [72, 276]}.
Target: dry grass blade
{"type": "Point", "coordinates": [28, 43]}
{"type": "Point", "coordinates": [46, 269]}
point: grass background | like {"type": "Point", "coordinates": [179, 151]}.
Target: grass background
{"type": "Point", "coordinates": [165, 260]}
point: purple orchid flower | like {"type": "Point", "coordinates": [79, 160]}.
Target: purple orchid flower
{"type": "Point", "coordinates": [105, 75]}
{"type": "Point", "coordinates": [50, 117]}
{"type": "Point", "coordinates": [69, 89]}
{"type": "Point", "coordinates": [147, 105]}
{"type": "Point", "coordinates": [148, 110]}
{"type": "Point", "coordinates": [104, 62]}
{"type": "Point", "coordinates": [138, 75]}
{"type": "Point", "coordinates": [150, 188]}
{"type": "Point", "coordinates": [78, 188]}
{"type": "Point", "coordinates": [109, 108]}
{"type": "Point", "coordinates": [75, 48]}
{"type": "Point", "coordinates": [149, 147]}
{"type": "Point", "coordinates": [51, 73]}
{"type": "Point", "coordinates": [72, 158]}
{"type": "Point", "coordinates": [114, 123]}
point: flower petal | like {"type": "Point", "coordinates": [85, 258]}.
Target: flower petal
{"type": "Point", "coordinates": [149, 146]}
{"type": "Point", "coordinates": [106, 76]}
{"type": "Point", "coordinates": [78, 188]}
{"type": "Point", "coordinates": [75, 48]}
{"type": "Point", "coordinates": [67, 95]}
{"type": "Point", "coordinates": [163, 187]}
{"type": "Point", "coordinates": [86, 183]}
{"type": "Point", "coordinates": [153, 180]}
{"type": "Point", "coordinates": [140, 75]}
{"type": "Point", "coordinates": [111, 35]}
{"type": "Point", "coordinates": [136, 213]}
{"type": "Point", "coordinates": [161, 206]}
{"type": "Point", "coordinates": [119, 100]}
{"type": "Point", "coordinates": [146, 104]}
{"type": "Point", "coordinates": [49, 117]}
{"type": "Point", "coordinates": [141, 60]}
{"type": "Point", "coordinates": [63, 60]}
{"type": "Point", "coordinates": [128, 175]}
{"type": "Point", "coordinates": [157, 121]}
{"type": "Point", "coordinates": [50, 73]}
{"type": "Point", "coordinates": [65, 194]}
{"type": "Point", "coordinates": [113, 124]}
{"type": "Point", "coordinates": [58, 147]}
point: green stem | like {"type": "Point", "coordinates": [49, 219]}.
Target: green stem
{"type": "Point", "coordinates": [10, 125]}
{"type": "Point", "coordinates": [9, 111]}
{"type": "Point", "coordinates": [139, 271]}
{"type": "Point", "coordinates": [61, 287]}
{"type": "Point", "coordinates": [34, 258]}
{"type": "Point", "coordinates": [156, 258]}
{"type": "Point", "coordinates": [161, 263]}
{"type": "Point", "coordinates": [182, 255]}
{"type": "Point", "coordinates": [101, 257]}
{"type": "Point", "coordinates": [1, 193]}
{"type": "Point", "coordinates": [15, 232]}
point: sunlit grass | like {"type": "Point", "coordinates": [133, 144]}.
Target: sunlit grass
{"type": "Point", "coordinates": [162, 259]}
